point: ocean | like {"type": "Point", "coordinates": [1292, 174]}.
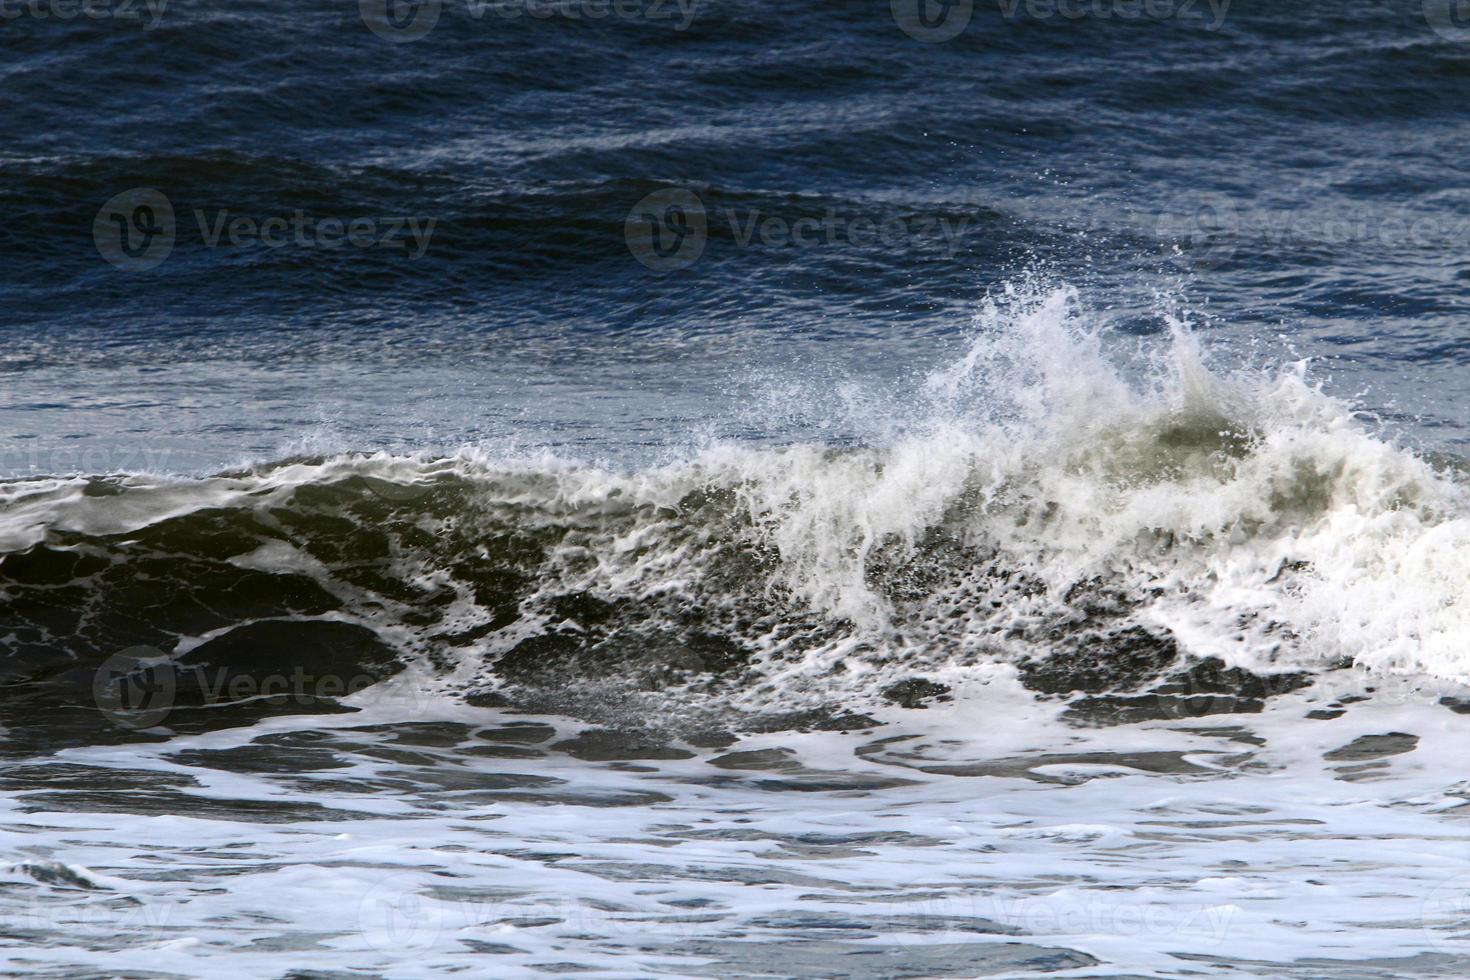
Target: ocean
{"type": "Point", "coordinates": [735, 488]}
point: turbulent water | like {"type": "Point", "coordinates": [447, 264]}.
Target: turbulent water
{"type": "Point", "coordinates": [743, 489]}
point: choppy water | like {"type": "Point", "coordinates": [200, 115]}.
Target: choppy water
{"type": "Point", "coordinates": [734, 489]}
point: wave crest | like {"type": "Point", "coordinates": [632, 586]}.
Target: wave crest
{"type": "Point", "coordinates": [1038, 501]}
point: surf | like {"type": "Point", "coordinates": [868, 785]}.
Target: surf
{"type": "Point", "coordinates": [1085, 521]}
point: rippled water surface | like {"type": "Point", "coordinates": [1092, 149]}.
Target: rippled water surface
{"type": "Point", "coordinates": [734, 488]}
{"type": "Point", "coordinates": [980, 842]}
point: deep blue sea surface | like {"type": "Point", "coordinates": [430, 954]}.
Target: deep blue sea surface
{"type": "Point", "coordinates": [1311, 160]}
{"type": "Point", "coordinates": [734, 488]}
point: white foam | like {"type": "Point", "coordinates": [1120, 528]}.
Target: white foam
{"type": "Point", "coordinates": [1247, 512]}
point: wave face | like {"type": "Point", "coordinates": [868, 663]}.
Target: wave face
{"type": "Point", "coordinates": [1039, 509]}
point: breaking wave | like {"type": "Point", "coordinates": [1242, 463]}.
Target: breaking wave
{"type": "Point", "coordinates": [1040, 509]}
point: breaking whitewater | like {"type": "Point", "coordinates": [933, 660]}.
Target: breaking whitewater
{"type": "Point", "coordinates": [1034, 508]}
{"type": "Point", "coordinates": [1075, 661]}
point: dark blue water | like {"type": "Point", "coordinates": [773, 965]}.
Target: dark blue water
{"type": "Point", "coordinates": [1280, 168]}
